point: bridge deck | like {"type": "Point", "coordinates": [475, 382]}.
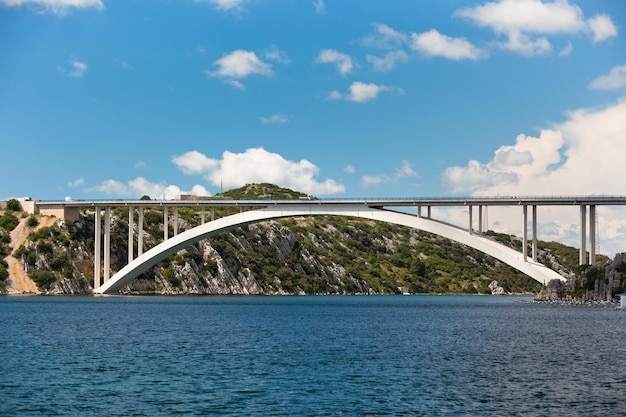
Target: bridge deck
{"type": "Point", "coordinates": [370, 202]}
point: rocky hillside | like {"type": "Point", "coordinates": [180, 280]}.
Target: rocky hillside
{"type": "Point", "coordinates": [594, 283]}
{"type": "Point", "coordinates": [314, 255]}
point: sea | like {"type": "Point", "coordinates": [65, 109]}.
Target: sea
{"type": "Point", "coordinates": [310, 356]}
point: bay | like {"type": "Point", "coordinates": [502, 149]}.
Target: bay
{"type": "Point", "coordinates": [310, 356]}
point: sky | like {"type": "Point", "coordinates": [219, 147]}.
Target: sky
{"type": "Point", "coordinates": [340, 99]}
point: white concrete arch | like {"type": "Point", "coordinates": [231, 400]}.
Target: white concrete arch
{"type": "Point", "coordinates": [150, 258]}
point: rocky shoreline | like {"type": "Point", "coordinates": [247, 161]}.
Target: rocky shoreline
{"type": "Point", "coordinates": [595, 284]}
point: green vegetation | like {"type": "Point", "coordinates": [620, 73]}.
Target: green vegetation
{"type": "Point", "coordinates": [312, 255]}
{"type": "Point", "coordinates": [8, 221]}
{"type": "Point", "coordinates": [13, 205]}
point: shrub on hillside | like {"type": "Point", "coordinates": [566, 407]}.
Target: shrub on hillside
{"type": "Point", "coordinates": [13, 205]}
{"type": "Point", "coordinates": [8, 221]}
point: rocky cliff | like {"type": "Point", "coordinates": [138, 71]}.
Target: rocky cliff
{"type": "Point", "coordinates": [601, 282]}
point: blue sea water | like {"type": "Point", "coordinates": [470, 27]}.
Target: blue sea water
{"type": "Point", "coordinates": [310, 356]}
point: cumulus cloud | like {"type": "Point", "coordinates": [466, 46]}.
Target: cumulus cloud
{"type": "Point", "coordinates": [257, 165]}
{"type": "Point", "coordinates": [524, 22]}
{"type": "Point", "coordinates": [238, 65]}
{"type": "Point", "coordinates": [602, 27]}
{"type": "Point", "coordinates": [384, 37]}
{"type": "Point", "coordinates": [404, 171]}
{"type": "Point", "coordinates": [195, 163]}
{"type": "Point", "coordinates": [342, 61]}
{"type": "Point", "coordinates": [389, 61]}
{"type": "Point", "coordinates": [360, 92]}
{"type": "Point", "coordinates": [275, 118]}
{"type": "Point", "coordinates": [615, 79]}
{"type": "Point", "coordinates": [139, 187]}
{"type": "Point", "coordinates": [78, 68]}
{"type": "Point", "coordinates": [349, 169]}
{"type": "Point", "coordinates": [59, 7]}
{"type": "Point", "coordinates": [580, 156]}
{"type": "Point", "coordinates": [433, 43]}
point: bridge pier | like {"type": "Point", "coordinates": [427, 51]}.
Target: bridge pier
{"type": "Point", "coordinates": [525, 233]}
{"type": "Point", "coordinates": [175, 221]}
{"type": "Point", "coordinates": [165, 223]}
{"type": "Point", "coordinates": [534, 226]}
{"type": "Point", "coordinates": [140, 232]}
{"type": "Point", "coordinates": [592, 234]}
{"type": "Point", "coordinates": [97, 248]}
{"type": "Point", "coordinates": [131, 227]}
{"type": "Point", "coordinates": [583, 235]}
{"type": "Point", "coordinates": [107, 243]}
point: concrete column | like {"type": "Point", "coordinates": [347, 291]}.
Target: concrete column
{"type": "Point", "coordinates": [525, 234]}
{"type": "Point", "coordinates": [97, 252]}
{"type": "Point", "coordinates": [535, 233]}
{"type": "Point", "coordinates": [165, 223]}
{"type": "Point", "coordinates": [592, 234]}
{"type": "Point", "coordinates": [419, 211]}
{"type": "Point", "coordinates": [471, 221]}
{"type": "Point", "coordinates": [480, 219]}
{"type": "Point", "coordinates": [131, 228]}
{"type": "Point", "coordinates": [107, 243]}
{"type": "Point", "coordinates": [212, 213]}
{"type": "Point", "coordinates": [202, 216]}
{"type": "Point", "coordinates": [583, 235]}
{"type": "Point", "coordinates": [140, 232]}
{"type": "Point", "coordinates": [175, 221]}
{"type": "Point", "coordinates": [429, 212]}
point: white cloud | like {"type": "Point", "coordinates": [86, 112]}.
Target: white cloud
{"type": "Point", "coordinates": [349, 169]}
{"type": "Point", "coordinates": [140, 186]}
{"type": "Point", "coordinates": [615, 79]}
{"type": "Point", "coordinates": [237, 84]}
{"type": "Point", "coordinates": [226, 5]}
{"type": "Point", "coordinates": [533, 16]}
{"type": "Point", "coordinates": [257, 165]}
{"type": "Point", "coordinates": [581, 156]}
{"type": "Point", "coordinates": [404, 171]}
{"type": "Point", "coordinates": [78, 68]}
{"type": "Point", "coordinates": [389, 61]}
{"type": "Point", "coordinates": [195, 163]}
{"type": "Point", "coordinates": [566, 50]}
{"type": "Point", "coordinates": [320, 7]}
{"type": "Point", "coordinates": [275, 118]}
{"type": "Point", "coordinates": [275, 54]}
{"type": "Point", "coordinates": [521, 21]}
{"type": "Point", "coordinates": [362, 92]}
{"type": "Point", "coordinates": [384, 37]}
{"type": "Point", "coordinates": [334, 95]}
{"type": "Point", "coordinates": [76, 183]}
{"type": "Point", "coordinates": [239, 64]}
{"type": "Point", "coordinates": [433, 43]}
{"type": "Point", "coordinates": [342, 61]}
{"type": "Point", "coordinates": [524, 45]}
{"type": "Point", "coordinates": [59, 7]}
{"type": "Point", "coordinates": [602, 27]}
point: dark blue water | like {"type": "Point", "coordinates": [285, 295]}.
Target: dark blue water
{"type": "Point", "coordinates": [309, 356]}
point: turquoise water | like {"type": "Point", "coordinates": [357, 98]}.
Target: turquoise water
{"type": "Point", "coordinates": [309, 356]}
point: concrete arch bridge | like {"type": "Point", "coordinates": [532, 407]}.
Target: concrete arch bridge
{"type": "Point", "coordinates": [262, 210]}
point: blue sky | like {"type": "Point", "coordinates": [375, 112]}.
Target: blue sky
{"type": "Point", "coordinates": [117, 99]}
